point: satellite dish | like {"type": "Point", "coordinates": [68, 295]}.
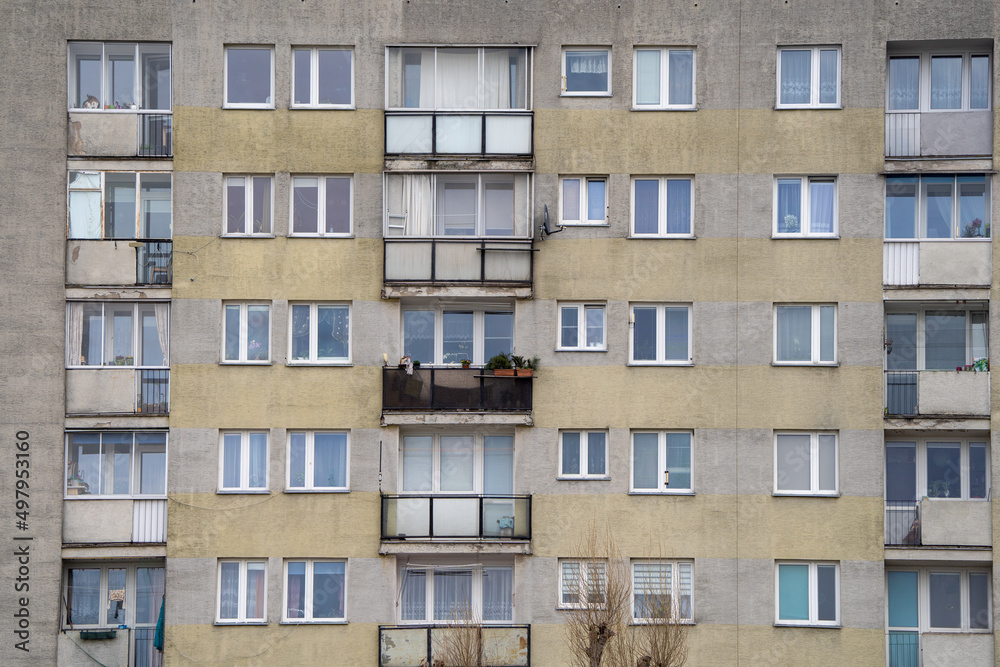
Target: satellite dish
{"type": "Point", "coordinates": [546, 225]}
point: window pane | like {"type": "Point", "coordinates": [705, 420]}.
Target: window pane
{"type": "Point", "coordinates": [300, 332]}
{"type": "Point", "coordinates": [793, 462]}
{"type": "Point", "coordinates": [457, 337]}
{"type": "Point", "coordinates": [297, 461]}
{"type": "Point", "coordinates": [570, 454]}
{"type": "Point", "coordinates": [827, 463]}
{"type": "Point", "coordinates": [570, 582]}
{"type": "Point", "coordinates": [236, 205]}
{"type": "Point", "coordinates": [417, 464]}
{"type": "Point", "coordinates": [456, 207]}
{"type": "Point", "coordinates": [414, 597]}
{"type": "Point", "coordinates": [330, 460]}
{"type": "Point", "coordinates": [257, 475]}
{"type": "Point", "coordinates": [979, 600]}
{"type": "Point", "coordinates": [229, 591]}
{"type": "Point", "coordinates": [120, 75]}
{"type": "Point", "coordinates": [83, 596]}
{"type": "Point", "coordinates": [676, 334]}
{"type": "Point", "coordinates": [644, 334]}
{"type": "Point", "coordinates": [334, 76]}
{"type": "Point", "coordinates": [148, 594]}
{"type": "Point", "coordinates": [84, 209]}
{"type": "Point", "coordinates": [685, 585]}
{"type": "Point", "coordinates": [457, 463]}
{"type": "Point", "coordinates": [83, 467]}
{"type": "Point", "coordinates": [794, 337]}
{"type": "Point", "coordinates": [570, 326]}
{"type": "Point", "coordinates": [651, 584]}
{"type": "Point", "coordinates": [452, 595]}
{"type": "Point", "coordinates": [300, 85]}
{"type": "Point", "coordinates": [571, 199]}
{"type": "Point", "coordinates": [828, 76]}
{"type": "Point", "coordinates": [827, 333]}
{"type": "Point", "coordinates": [117, 464]}
{"type": "Point", "coordinates": [901, 472]}
{"type": "Point", "coordinates": [118, 332]}
{"type": "Point", "coordinates": [261, 204]}
{"type": "Point", "coordinates": [596, 454]}
{"type": "Point", "coordinates": [938, 201]}
{"type": "Point", "coordinates": [946, 82]}
{"type": "Point", "coordinates": [904, 82]}
{"type": "Point", "coordinates": [944, 473]}
{"type": "Point", "coordinates": [946, 601]}
{"type": "Point", "coordinates": [154, 205]}
{"type": "Point", "coordinates": [587, 71]}
{"type": "Point", "coordinates": [232, 352]}
{"type": "Point", "coordinates": [900, 207]}
{"type": "Point", "coordinates": [679, 206]}
{"type": "Point", "coordinates": [646, 206]}
{"type": "Point", "coordinates": [679, 460]}
{"type": "Point", "coordinates": [596, 201]}
{"type": "Point", "coordinates": [826, 592]}
{"type": "Point", "coordinates": [328, 590]}
{"type": "Point", "coordinates": [972, 211]}
{"type": "Point", "coordinates": [789, 205]}
{"type": "Point", "coordinates": [418, 335]}
{"type": "Point", "coordinates": [979, 82]}
{"type": "Point", "coordinates": [498, 594]}
{"type": "Point", "coordinates": [248, 76]}
{"type": "Point", "coordinates": [977, 470]}
{"type": "Point", "coordinates": [457, 78]}
{"type": "Point", "coordinates": [796, 76]}
{"type": "Point", "coordinates": [793, 592]}
{"type": "Point", "coordinates": [119, 206]}
{"type": "Point", "coordinates": [305, 205]}
{"type": "Point", "coordinates": [499, 334]}
{"type": "Point", "coordinates": [901, 329]}
{"type": "Point", "coordinates": [149, 345]}
{"type": "Point", "coordinates": [258, 332]}
{"type": "Point", "coordinates": [338, 205]}
{"type": "Point", "coordinates": [116, 596]}
{"type": "Point", "coordinates": [85, 76]}
{"type": "Point", "coordinates": [595, 326]}
{"type": "Point", "coordinates": [821, 200]}
{"type": "Point", "coordinates": [498, 465]}
{"type": "Point", "coordinates": [499, 208]}
{"type": "Point", "coordinates": [295, 584]}
{"type": "Point", "coordinates": [902, 599]}
{"type": "Point", "coordinates": [944, 336]}
{"type": "Point", "coordinates": [255, 590]}
{"type": "Point", "coordinates": [647, 77]}
{"type": "Point", "coordinates": [681, 75]}
{"type": "Point", "coordinates": [332, 332]}
{"type": "Point", "coordinates": [231, 464]}
{"type": "Point", "coordinates": [645, 461]}
{"type": "Point", "coordinates": [152, 472]}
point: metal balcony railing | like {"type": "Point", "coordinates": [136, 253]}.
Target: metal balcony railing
{"type": "Point", "coordinates": [467, 261]}
{"type": "Point", "coordinates": [901, 392]}
{"type": "Point", "coordinates": [153, 396]}
{"type": "Point", "coordinates": [155, 135]}
{"type": "Point", "coordinates": [154, 262]}
{"type": "Point", "coordinates": [904, 649]}
{"type": "Point", "coordinates": [902, 523]}
{"type": "Point", "coordinates": [456, 517]}
{"type": "Point", "coordinates": [473, 133]}
{"type": "Point", "coordinates": [453, 389]}
{"type": "Point", "coordinates": [501, 645]}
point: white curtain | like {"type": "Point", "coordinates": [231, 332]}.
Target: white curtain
{"type": "Point", "coordinates": [162, 314]}
{"type": "Point", "coordinates": [795, 76]}
{"type": "Point", "coordinates": [84, 205]}
{"type": "Point", "coordinates": [647, 77]}
{"type": "Point", "coordinates": [413, 595]}
{"type": "Point", "coordinates": [496, 79]}
{"type": "Point", "coordinates": [946, 82]}
{"type": "Point", "coordinates": [257, 460]}
{"type": "Point", "coordinates": [821, 207]}
{"type": "Point", "coordinates": [74, 318]}
{"type": "Point", "coordinates": [681, 77]}
{"type": "Point", "coordinates": [794, 338]}
{"type": "Point", "coordinates": [498, 594]}
{"type": "Point", "coordinates": [452, 594]}
{"type": "Point", "coordinates": [457, 76]}
{"type": "Point", "coordinates": [418, 202]}
{"type": "Point", "coordinates": [229, 590]}
{"type": "Point", "coordinates": [904, 83]}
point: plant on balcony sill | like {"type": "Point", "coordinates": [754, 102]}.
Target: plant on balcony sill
{"type": "Point", "coordinates": [123, 361]}
{"type": "Point", "coordinates": [979, 365]}
{"type": "Point", "coordinates": [523, 366]}
{"type": "Point", "coordinates": [501, 365]}
{"type": "Point", "coordinates": [466, 363]}
{"type": "Point", "coordinates": [974, 230]}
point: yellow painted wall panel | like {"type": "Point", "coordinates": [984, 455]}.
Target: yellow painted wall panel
{"type": "Point", "coordinates": [260, 141]}
{"type": "Point", "coordinates": [330, 525]}
{"type": "Point", "coordinates": [286, 268]}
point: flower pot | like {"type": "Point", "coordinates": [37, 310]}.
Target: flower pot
{"type": "Point", "coordinates": [525, 372]}
{"type": "Point", "coordinates": [465, 365]}
{"type": "Point", "coordinates": [504, 372]}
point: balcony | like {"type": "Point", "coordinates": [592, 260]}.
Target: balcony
{"type": "Point", "coordinates": [118, 391]}
{"type": "Point", "coordinates": [467, 262]}
{"type": "Point", "coordinates": [478, 134]}
{"type": "Point", "coordinates": [415, 645]}
{"type": "Point", "coordinates": [939, 134]}
{"type": "Point", "coordinates": [934, 522]}
{"type": "Point", "coordinates": [121, 262]}
{"type": "Point", "coordinates": [902, 523]}
{"type": "Point", "coordinates": [937, 263]}
{"type": "Point", "coordinates": [116, 521]}
{"type": "Point", "coordinates": [466, 517]}
{"type": "Point", "coordinates": [120, 134]}
{"type": "Point", "coordinates": [905, 649]}
{"type": "Point", "coordinates": [453, 390]}
{"type": "Point", "coordinates": [937, 393]}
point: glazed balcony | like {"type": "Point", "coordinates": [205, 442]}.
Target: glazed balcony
{"type": "Point", "coordinates": [453, 390]}
{"type": "Point", "coordinates": [456, 517]}
{"type": "Point", "coordinates": [416, 645]}
{"type": "Point", "coordinates": [459, 133]}
{"type": "Point", "coordinates": [453, 262]}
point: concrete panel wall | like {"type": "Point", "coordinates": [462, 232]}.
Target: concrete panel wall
{"type": "Point", "coordinates": [86, 521]}
{"type": "Point", "coordinates": [100, 263]}
{"type": "Point", "coordinates": [100, 390]}
{"type": "Point", "coordinates": [955, 263]}
{"type": "Point", "coordinates": [956, 522]}
{"type": "Point", "coordinates": [953, 393]}
{"type": "Point", "coordinates": [952, 649]}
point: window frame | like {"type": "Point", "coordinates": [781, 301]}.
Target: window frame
{"type": "Point", "coordinates": [137, 201]}
{"type": "Point", "coordinates": [812, 593]}
{"type": "Point", "coordinates": [138, 78]}
{"type": "Point", "coordinates": [805, 208]}
{"type": "Point", "coordinates": [130, 606]}
{"type": "Point", "coordinates": [662, 487]}
{"type": "Point", "coordinates": [664, 83]}
{"type": "Point", "coordinates": [920, 208]}
{"type": "Point", "coordinates": [924, 599]}
{"type": "Point", "coordinates": [564, 83]}
{"type": "Point", "coordinates": [814, 465]}
{"type": "Point", "coordinates": [314, 52]}
{"type": "Point", "coordinates": [815, 335]}
{"type": "Point", "coordinates": [244, 334]}
{"type": "Point", "coordinates": [478, 567]}
{"type": "Point", "coordinates": [963, 444]}
{"type": "Point", "coordinates": [136, 449]}
{"type": "Point", "coordinates": [314, 359]}
{"type": "Point", "coordinates": [226, 104]}
{"type": "Point", "coordinates": [925, 59]}
{"type": "Point", "coordinates": [248, 205]}
{"type": "Point", "coordinates": [663, 215]}
{"type": "Point", "coordinates": [478, 462]}
{"type": "Point", "coordinates": [479, 311]}
{"type": "Point", "coordinates": [309, 593]}
{"type": "Point", "coordinates": [814, 80]}
{"type": "Point", "coordinates": [586, 568]}
{"type": "Point", "coordinates": [321, 186]}
{"type": "Point", "coordinates": [244, 486]}
{"type": "Point", "coordinates": [135, 341]}
{"type": "Point", "coordinates": [675, 591]}
{"type": "Point", "coordinates": [241, 617]}
{"type": "Point", "coordinates": [583, 472]}
{"type": "Point", "coordinates": [581, 310]}
{"type": "Point", "coordinates": [920, 311]}
{"type": "Point", "coordinates": [310, 461]}
{"type": "Point", "coordinates": [660, 334]}
{"type": "Point", "coordinates": [584, 201]}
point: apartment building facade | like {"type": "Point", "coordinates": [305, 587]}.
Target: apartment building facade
{"type": "Point", "coordinates": [749, 243]}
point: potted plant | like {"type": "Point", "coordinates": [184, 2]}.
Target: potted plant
{"type": "Point", "coordinates": [523, 366]}
{"type": "Point", "coordinates": [466, 363]}
{"type": "Point", "coordinates": [501, 365]}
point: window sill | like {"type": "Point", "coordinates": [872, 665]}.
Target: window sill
{"type": "Point", "coordinates": [584, 224]}
{"type": "Point", "coordinates": [133, 111]}
{"type": "Point", "coordinates": [815, 626]}
{"type": "Point", "coordinates": [250, 107]}
{"type": "Point", "coordinates": [238, 623]}
{"type": "Point", "coordinates": [321, 236]}
{"type": "Point", "coordinates": [791, 494]}
{"type": "Point", "coordinates": [811, 237]}
{"type": "Point", "coordinates": [316, 491]}
{"type": "Point", "coordinates": [661, 493]}
{"type": "Point", "coordinates": [94, 496]}
{"type": "Point", "coordinates": [251, 492]}
{"type": "Point", "coordinates": [975, 239]}
{"type": "Point", "coordinates": [805, 364]}
{"type": "Point", "coordinates": [807, 107]}
{"type": "Point", "coordinates": [297, 622]}
{"type": "Point", "coordinates": [321, 364]}
{"type": "Point", "coordinates": [595, 478]}
{"type": "Point", "coordinates": [661, 108]}
{"type": "Point", "coordinates": [247, 236]}
{"type": "Point", "coordinates": [323, 107]}
{"type": "Point", "coordinates": [654, 364]}
{"type": "Point", "coordinates": [580, 349]}
{"type": "Point", "coordinates": [587, 93]}
{"type": "Point", "coordinates": [246, 363]}
{"type": "Point", "coordinates": [662, 237]}
{"type": "Point", "coordinates": [641, 622]}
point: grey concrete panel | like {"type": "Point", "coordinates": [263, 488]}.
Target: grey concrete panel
{"type": "Point", "coordinates": [862, 594]}
{"type": "Point", "coordinates": [756, 342]}
{"type": "Point", "coordinates": [861, 463]}
{"type": "Point", "coordinates": [861, 206]}
{"type": "Point", "coordinates": [199, 339]}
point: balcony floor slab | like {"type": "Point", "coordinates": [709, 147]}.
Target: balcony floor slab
{"type": "Point", "coordinates": [455, 418]}
{"type": "Point", "coordinates": [399, 547]}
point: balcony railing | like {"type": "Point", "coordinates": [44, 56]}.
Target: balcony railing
{"type": "Point", "coordinates": [937, 393]}
{"type": "Point", "coordinates": [453, 390]}
{"type": "Point", "coordinates": [456, 517]}
{"type": "Point", "coordinates": [120, 134]}
{"type": "Point", "coordinates": [902, 523]}
{"type": "Point", "coordinates": [154, 263]}
{"type": "Point", "coordinates": [468, 261]}
{"type": "Point", "coordinates": [901, 392]}
{"type": "Point", "coordinates": [155, 135]}
{"type": "Point", "coordinates": [904, 649]}
{"type": "Point", "coordinates": [153, 396]}
{"type": "Point", "coordinates": [415, 645]}
{"type": "Point", "coordinates": [939, 134]}
{"type": "Point", "coordinates": [482, 133]}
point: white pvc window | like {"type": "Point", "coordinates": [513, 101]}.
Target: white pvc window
{"type": "Point", "coordinates": [586, 71]}
{"type": "Point", "coordinates": [120, 205]}
{"type": "Point", "coordinates": [243, 461]}
{"type": "Point", "coordinates": [582, 583]}
{"type": "Point", "coordinates": [807, 593]}
{"type": "Point", "coordinates": [109, 464]}
{"type": "Point", "coordinates": [321, 205]}
{"type": "Point", "coordinates": [319, 461]}
{"type": "Point", "coordinates": [249, 77]}
{"type": "Point", "coordinates": [805, 334]}
{"type": "Point", "coordinates": [938, 206]}
{"type": "Point", "coordinates": [805, 206]}
{"type": "Point", "coordinates": [582, 327]}
{"type": "Point", "coordinates": [583, 200]}
{"type": "Point", "coordinates": [661, 334]}
{"type": "Point", "coordinates": [320, 333]}
{"type": "Point", "coordinates": [248, 205]}
{"type": "Point", "coordinates": [938, 599]}
{"type": "Point", "coordinates": [315, 591]}
{"type": "Point", "coordinates": [809, 77]}
{"type": "Point", "coordinates": [662, 462]}
{"type": "Point", "coordinates": [940, 468]}
{"type": "Point", "coordinates": [662, 590]}
{"type": "Point", "coordinates": [467, 77]}
{"type": "Point", "coordinates": [242, 591]}
{"type": "Point", "coordinates": [939, 81]}
{"type": "Point", "coordinates": [583, 455]}
{"type": "Point", "coordinates": [663, 78]}
{"type": "Point", "coordinates": [115, 333]}
{"type": "Point", "coordinates": [444, 593]}
{"type": "Point", "coordinates": [447, 334]}
{"type": "Point", "coordinates": [246, 333]}
{"type": "Point", "coordinates": [112, 594]}
{"type": "Point", "coordinates": [661, 206]}
{"type": "Point", "coordinates": [805, 463]}
{"type": "Point", "coordinates": [322, 78]}
{"type": "Point", "coordinates": [119, 76]}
